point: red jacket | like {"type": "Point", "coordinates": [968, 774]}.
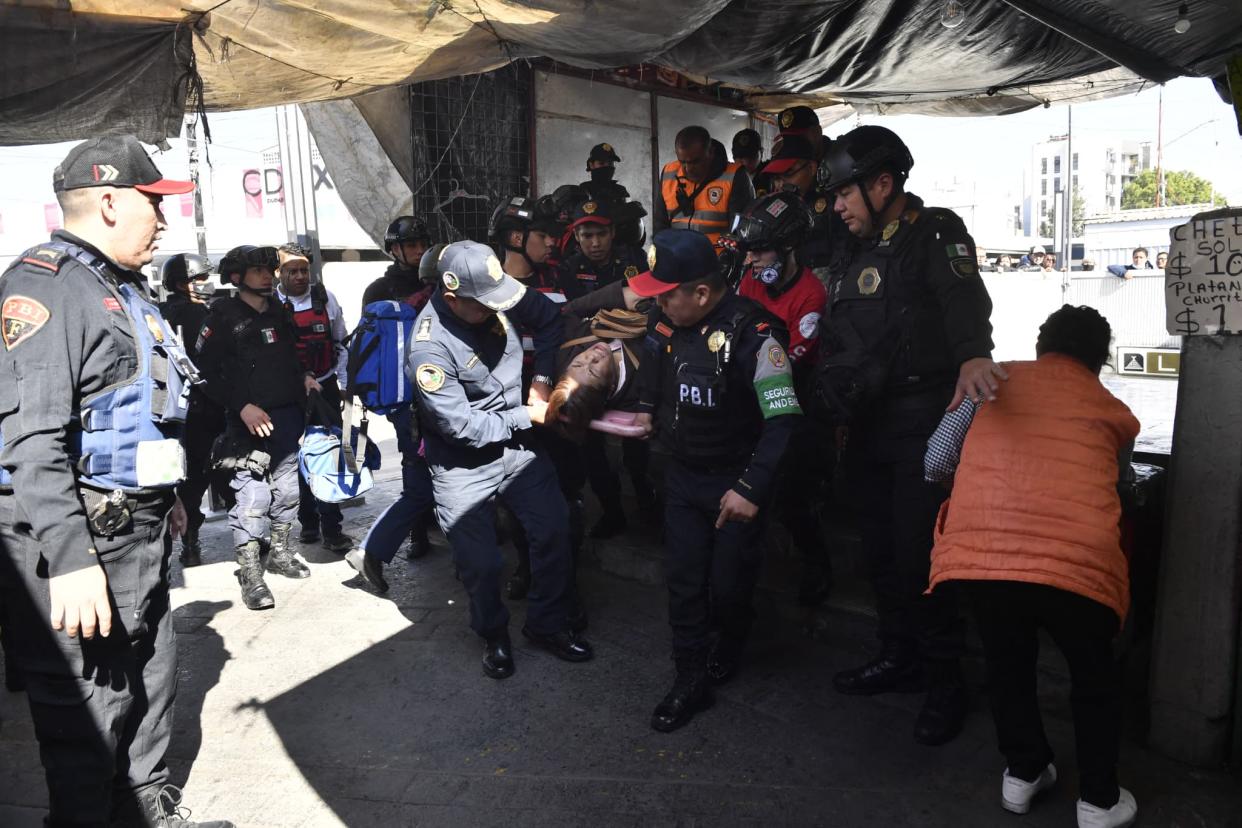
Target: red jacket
{"type": "Point", "coordinates": [799, 307]}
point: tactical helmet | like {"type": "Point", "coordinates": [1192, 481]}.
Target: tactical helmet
{"type": "Point", "coordinates": [406, 229]}
{"type": "Point", "coordinates": [516, 213]}
{"type": "Point", "coordinates": [566, 199]}
{"type": "Point", "coordinates": [428, 272]}
{"type": "Point", "coordinates": [778, 221]}
{"type": "Point", "coordinates": [246, 256]}
{"type": "Point", "coordinates": [547, 217]}
{"type": "Point", "coordinates": [864, 151]}
{"type": "Point", "coordinates": [183, 267]}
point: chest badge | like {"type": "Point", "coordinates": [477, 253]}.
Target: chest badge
{"type": "Point", "coordinates": [631, 272]}
{"type": "Point", "coordinates": [714, 194]}
{"type": "Point", "coordinates": [868, 281]}
{"type": "Point", "coordinates": [716, 341]}
{"type": "Point", "coordinates": [890, 230]}
{"type": "Point", "coordinates": [269, 335]}
{"type": "Point", "coordinates": [153, 325]}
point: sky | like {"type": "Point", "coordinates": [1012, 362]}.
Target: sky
{"type": "Point", "coordinates": [1200, 135]}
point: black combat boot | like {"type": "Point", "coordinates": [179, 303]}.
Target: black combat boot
{"type": "Point", "coordinates": [255, 594]}
{"type": "Point", "coordinates": [420, 544]}
{"type": "Point", "coordinates": [691, 693]}
{"type": "Point", "coordinates": [724, 659]}
{"type": "Point", "coordinates": [282, 561]}
{"type": "Point", "coordinates": [894, 670]}
{"type": "Point", "coordinates": [191, 550]}
{"type": "Point", "coordinates": [944, 709]}
{"type": "Point", "coordinates": [370, 568]}
{"type": "Point", "coordinates": [158, 808]}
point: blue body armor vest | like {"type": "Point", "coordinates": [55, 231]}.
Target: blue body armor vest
{"type": "Point", "coordinates": [127, 437]}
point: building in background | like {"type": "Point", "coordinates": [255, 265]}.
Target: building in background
{"type": "Point", "coordinates": [1111, 237]}
{"type": "Point", "coordinates": [1099, 168]}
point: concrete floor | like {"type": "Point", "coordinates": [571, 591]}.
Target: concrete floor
{"type": "Point", "coordinates": [341, 707]}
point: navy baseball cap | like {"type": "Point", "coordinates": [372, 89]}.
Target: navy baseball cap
{"type": "Point", "coordinates": [472, 271]}
{"type": "Point", "coordinates": [677, 257]}
{"type": "Point", "coordinates": [793, 148]}
{"type": "Point", "coordinates": [113, 161]}
{"type": "Point", "coordinates": [798, 120]}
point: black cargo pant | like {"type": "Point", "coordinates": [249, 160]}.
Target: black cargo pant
{"type": "Point", "coordinates": [203, 424]}
{"type": "Point", "coordinates": [314, 514]}
{"type": "Point", "coordinates": [1009, 615]}
{"type": "Point", "coordinates": [102, 709]}
{"type": "Point", "coordinates": [711, 572]}
{"type": "Point", "coordinates": [897, 512]}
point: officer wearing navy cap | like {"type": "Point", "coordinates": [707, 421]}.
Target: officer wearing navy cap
{"type": "Point", "coordinates": [603, 189]}
{"type": "Point", "coordinates": [715, 383]}
{"type": "Point", "coordinates": [94, 387]}
{"type": "Point", "coordinates": [466, 362]}
{"type": "Point", "coordinates": [747, 150]}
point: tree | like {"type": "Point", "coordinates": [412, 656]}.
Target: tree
{"type": "Point", "coordinates": [1180, 187]}
{"type": "Point", "coordinates": [1048, 221]}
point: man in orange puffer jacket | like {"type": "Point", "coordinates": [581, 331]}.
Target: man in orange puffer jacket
{"type": "Point", "coordinates": [1032, 531]}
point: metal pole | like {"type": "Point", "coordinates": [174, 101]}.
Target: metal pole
{"type": "Point", "coordinates": [200, 230]}
{"type": "Point", "coordinates": [1160, 150]}
{"type": "Point", "coordinates": [1067, 262]}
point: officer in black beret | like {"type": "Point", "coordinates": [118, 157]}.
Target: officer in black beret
{"type": "Point", "coordinates": [94, 388]}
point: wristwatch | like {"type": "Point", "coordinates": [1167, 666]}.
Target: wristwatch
{"type": "Point", "coordinates": [543, 378]}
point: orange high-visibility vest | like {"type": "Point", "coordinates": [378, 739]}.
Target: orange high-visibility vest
{"type": "Point", "coordinates": [711, 214]}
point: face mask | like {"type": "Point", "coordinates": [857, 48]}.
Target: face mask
{"type": "Point", "coordinates": [202, 290]}
{"type": "Point", "coordinates": [601, 174]}
{"type": "Point", "coordinates": [768, 274]}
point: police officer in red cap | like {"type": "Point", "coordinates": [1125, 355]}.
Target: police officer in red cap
{"type": "Point", "coordinates": [796, 167]}
{"type": "Point", "coordinates": [715, 383]}
{"type": "Point", "coordinates": [94, 387]}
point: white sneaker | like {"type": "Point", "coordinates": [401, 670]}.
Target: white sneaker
{"type": "Point", "coordinates": [1016, 794]}
{"type": "Point", "coordinates": [1119, 816]}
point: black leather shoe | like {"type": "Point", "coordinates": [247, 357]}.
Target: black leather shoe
{"type": "Point", "coordinates": [691, 693]}
{"type": "Point", "coordinates": [518, 585]}
{"type": "Point", "coordinates": [611, 524]}
{"type": "Point", "coordinates": [564, 645]}
{"type": "Point", "coordinates": [942, 716]}
{"type": "Point", "coordinates": [891, 672]}
{"type": "Point", "coordinates": [419, 546]}
{"type": "Point", "coordinates": [337, 542]}
{"type": "Point", "coordinates": [371, 569]}
{"type": "Point", "coordinates": [724, 659]}
{"type": "Point", "coordinates": [498, 660]}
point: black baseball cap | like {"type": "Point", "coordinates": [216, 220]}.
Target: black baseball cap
{"type": "Point", "coordinates": [746, 144]}
{"type": "Point", "coordinates": [113, 161]}
{"type": "Point", "coordinates": [677, 257]}
{"type": "Point", "coordinates": [603, 152]}
{"type": "Point", "coordinates": [592, 212]}
{"type": "Point", "coordinates": [793, 148]}
{"type": "Point", "coordinates": [797, 120]}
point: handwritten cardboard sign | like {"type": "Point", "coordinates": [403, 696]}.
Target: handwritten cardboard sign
{"type": "Point", "coordinates": [1203, 277]}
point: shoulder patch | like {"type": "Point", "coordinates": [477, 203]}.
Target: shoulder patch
{"type": "Point", "coordinates": [430, 377]}
{"type": "Point", "coordinates": [964, 268]}
{"type": "Point", "coordinates": [776, 355]}
{"type": "Point", "coordinates": [20, 318]}
{"type": "Point", "coordinates": [48, 258]}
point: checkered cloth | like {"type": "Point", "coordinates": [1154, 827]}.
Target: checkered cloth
{"type": "Point", "coordinates": [944, 449]}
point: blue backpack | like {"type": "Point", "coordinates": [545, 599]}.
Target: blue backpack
{"type": "Point", "coordinates": [375, 372]}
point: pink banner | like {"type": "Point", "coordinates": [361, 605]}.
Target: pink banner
{"type": "Point", "coordinates": [51, 216]}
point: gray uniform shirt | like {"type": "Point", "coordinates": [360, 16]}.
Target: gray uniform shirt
{"type": "Point", "coordinates": [469, 381]}
{"type": "Point", "coordinates": [66, 336]}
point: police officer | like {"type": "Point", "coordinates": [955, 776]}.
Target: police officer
{"type": "Point", "coordinates": [715, 381]}
{"type": "Point", "coordinates": [796, 167]}
{"type": "Point", "coordinates": [747, 151]}
{"type": "Point", "coordinates": [91, 404]}
{"type": "Point", "coordinates": [186, 278]}
{"type": "Point", "coordinates": [405, 241]}
{"type": "Point", "coordinates": [701, 190]}
{"type": "Point", "coordinates": [626, 212]}
{"type": "Point", "coordinates": [319, 325]}
{"type": "Point", "coordinates": [466, 360]}
{"type": "Point", "coordinates": [600, 259]}
{"type": "Point", "coordinates": [771, 233]}
{"type": "Point", "coordinates": [907, 336]}
{"type": "Point", "coordinates": [248, 354]}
